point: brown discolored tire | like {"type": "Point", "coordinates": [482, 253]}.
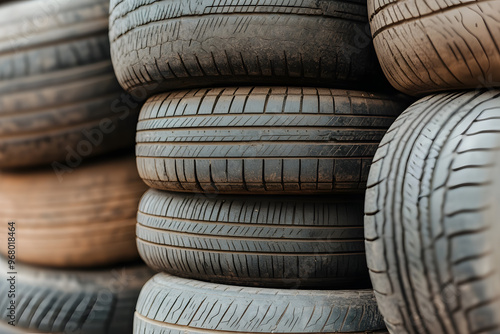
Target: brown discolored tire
{"type": "Point", "coordinates": [279, 140]}
{"type": "Point", "coordinates": [55, 301]}
{"type": "Point", "coordinates": [426, 46]}
{"type": "Point", "coordinates": [264, 241]}
{"type": "Point", "coordinates": [85, 219]}
{"type": "Point", "coordinates": [161, 45]}
{"type": "Point", "coordinates": [431, 223]}
{"type": "Point", "coordinates": [58, 91]}
{"type": "Point", "coordinates": [169, 304]}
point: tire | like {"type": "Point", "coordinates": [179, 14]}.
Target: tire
{"type": "Point", "coordinates": [169, 304]}
{"type": "Point", "coordinates": [429, 46]}
{"type": "Point", "coordinates": [306, 242]}
{"type": "Point", "coordinates": [58, 92]}
{"type": "Point", "coordinates": [158, 46]}
{"type": "Point", "coordinates": [80, 302]}
{"type": "Point", "coordinates": [85, 219]}
{"type": "Point", "coordinates": [431, 236]}
{"type": "Point", "coordinates": [8, 329]}
{"type": "Point", "coordinates": [262, 140]}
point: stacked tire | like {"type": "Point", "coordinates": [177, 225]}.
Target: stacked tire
{"type": "Point", "coordinates": [431, 223]}
{"type": "Point", "coordinates": [67, 180]}
{"type": "Point", "coordinates": [256, 140]}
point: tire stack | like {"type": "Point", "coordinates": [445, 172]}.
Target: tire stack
{"type": "Point", "coordinates": [257, 151]}
{"type": "Point", "coordinates": [431, 223]}
{"type": "Point", "coordinates": [68, 221]}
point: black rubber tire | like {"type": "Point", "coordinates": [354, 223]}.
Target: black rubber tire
{"type": "Point", "coordinates": [169, 304]}
{"type": "Point", "coordinates": [284, 242]}
{"type": "Point", "coordinates": [80, 302]}
{"type": "Point", "coordinates": [262, 140]}
{"type": "Point", "coordinates": [160, 45]}
{"type": "Point", "coordinates": [427, 46]}
{"type": "Point", "coordinates": [57, 86]}
{"type": "Point", "coordinates": [431, 235]}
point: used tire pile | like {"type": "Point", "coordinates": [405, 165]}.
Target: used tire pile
{"type": "Point", "coordinates": [431, 224]}
{"type": "Point", "coordinates": [264, 123]}
{"type": "Point", "coordinates": [256, 139]}
{"type": "Point", "coordinates": [68, 222]}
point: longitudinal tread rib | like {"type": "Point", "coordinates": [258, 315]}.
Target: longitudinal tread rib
{"type": "Point", "coordinates": [430, 232]}
{"type": "Point", "coordinates": [261, 139]}
{"type": "Point", "coordinates": [264, 241]}
{"type": "Point", "coordinates": [57, 85]}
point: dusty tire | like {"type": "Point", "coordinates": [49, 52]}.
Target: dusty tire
{"type": "Point", "coordinates": [306, 242]}
{"type": "Point", "coordinates": [80, 302]}
{"type": "Point", "coordinates": [169, 304]}
{"type": "Point", "coordinates": [262, 140]}
{"type": "Point", "coordinates": [157, 46]}
{"type": "Point", "coordinates": [85, 219]}
{"type": "Point", "coordinates": [58, 92]}
{"type": "Point", "coordinates": [427, 46]}
{"type": "Point", "coordinates": [431, 236]}
{"type": "Point", "coordinates": [8, 329]}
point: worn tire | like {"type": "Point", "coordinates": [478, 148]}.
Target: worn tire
{"type": "Point", "coordinates": [58, 92]}
{"type": "Point", "coordinates": [431, 235]}
{"type": "Point", "coordinates": [157, 46]}
{"type": "Point", "coordinates": [79, 302]}
{"type": "Point", "coordinates": [305, 242]}
{"type": "Point", "coordinates": [84, 219]}
{"type": "Point", "coordinates": [262, 140]}
{"type": "Point", "coordinates": [427, 46]}
{"type": "Point", "coordinates": [169, 304]}
{"type": "Point", "coordinates": [9, 329]}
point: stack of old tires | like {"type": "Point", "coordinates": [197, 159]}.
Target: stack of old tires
{"type": "Point", "coordinates": [432, 224]}
{"type": "Point", "coordinates": [257, 165]}
{"type": "Point", "coordinates": [68, 222]}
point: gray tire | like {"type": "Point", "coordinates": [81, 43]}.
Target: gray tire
{"type": "Point", "coordinates": [84, 302]}
{"type": "Point", "coordinates": [306, 242]}
{"type": "Point", "coordinates": [431, 225]}
{"type": "Point", "coordinates": [159, 46]}
{"type": "Point", "coordinates": [58, 92]}
{"type": "Point", "coordinates": [169, 304]}
{"type": "Point", "coordinates": [267, 140]}
{"type": "Point", "coordinates": [9, 329]}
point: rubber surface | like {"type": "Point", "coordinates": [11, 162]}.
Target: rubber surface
{"type": "Point", "coordinates": [161, 45]}
{"type": "Point", "coordinates": [84, 302]}
{"type": "Point", "coordinates": [427, 46]}
{"type": "Point", "coordinates": [257, 241]}
{"type": "Point", "coordinates": [431, 227]}
{"type": "Point", "coordinates": [262, 140]}
{"type": "Point", "coordinates": [5, 328]}
{"type": "Point", "coordinates": [168, 304]}
{"type": "Point", "coordinates": [58, 92]}
{"type": "Point", "coordinates": [86, 219]}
